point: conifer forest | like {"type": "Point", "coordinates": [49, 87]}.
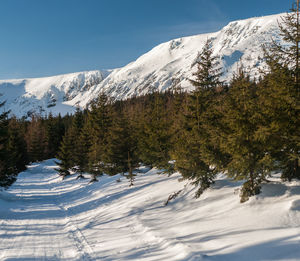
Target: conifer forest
{"type": "Point", "coordinates": [247, 128]}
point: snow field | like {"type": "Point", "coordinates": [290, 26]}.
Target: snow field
{"type": "Point", "coordinates": [45, 218]}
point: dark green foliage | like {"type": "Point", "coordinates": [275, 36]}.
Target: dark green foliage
{"type": "Point", "coordinates": [78, 121]}
{"type": "Point", "coordinates": [73, 150]}
{"type": "Point", "coordinates": [5, 176]}
{"type": "Point", "coordinates": [36, 139]}
{"type": "Point", "coordinates": [248, 158]}
{"type": "Point", "coordinates": [55, 130]}
{"type": "Point", "coordinates": [193, 147]}
{"type": "Point", "coordinates": [121, 153]}
{"type": "Point", "coordinates": [13, 154]}
{"type": "Point", "coordinates": [17, 148]}
{"type": "Point", "coordinates": [280, 97]}
{"type": "Point", "coordinates": [76, 128]}
{"type": "Point", "coordinates": [154, 140]}
{"type": "Point", "coordinates": [177, 112]}
{"type": "Point", "coordinates": [279, 102]}
{"type": "Point", "coordinates": [83, 148]}
{"type": "Point", "coordinates": [99, 120]}
{"type": "Point", "coordinates": [65, 154]}
{"type": "Point", "coordinates": [3, 134]}
{"type": "Point", "coordinates": [208, 70]}
{"type": "Point", "coordinates": [248, 190]}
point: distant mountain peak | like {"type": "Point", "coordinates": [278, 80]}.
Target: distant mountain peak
{"type": "Point", "coordinates": [238, 42]}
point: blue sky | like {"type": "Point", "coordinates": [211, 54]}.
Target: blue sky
{"type": "Point", "coordinates": [48, 37]}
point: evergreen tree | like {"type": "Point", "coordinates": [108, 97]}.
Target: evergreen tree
{"type": "Point", "coordinates": [154, 140]}
{"type": "Point", "coordinates": [65, 154]}
{"type": "Point", "coordinates": [121, 151]}
{"type": "Point", "coordinates": [193, 151]}
{"type": "Point", "coordinates": [54, 132]}
{"type": "Point", "coordinates": [280, 94]}
{"type": "Point", "coordinates": [4, 176]}
{"type": "Point", "coordinates": [13, 154]}
{"type": "Point", "coordinates": [17, 148]}
{"type": "Point", "coordinates": [78, 121]}
{"type": "Point", "coordinates": [74, 134]}
{"type": "Point", "coordinates": [83, 149]}
{"type": "Point", "coordinates": [100, 120]}
{"type": "Point", "coordinates": [279, 107]}
{"type": "Point", "coordinates": [287, 54]}
{"type": "Point", "coordinates": [248, 157]}
{"type": "Point", "coordinates": [36, 140]}
{"type": "Point", "coordinates": [177, 112]}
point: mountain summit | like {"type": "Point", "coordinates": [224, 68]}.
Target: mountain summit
{"type": "Point", "coordinates": [239, 42]}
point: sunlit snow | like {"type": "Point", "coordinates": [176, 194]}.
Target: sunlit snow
{"type": "Point", "coordinates": [238, 43]}
{"type": "Point", "coordinates": [45, 218]}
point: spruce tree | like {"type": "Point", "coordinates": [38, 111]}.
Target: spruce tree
{"type": "Point", "coordinates": [155, 136]}
{"type": "Point", "coordinates": [279, 106]}
{"type": "Point", "coordinates": [17, 148]}
{"type": "Point", "coordinates": [121, 153]}
{"type": "Point", "coordinates": [83, 149]}
{"type": "Point", "coordinates": [65, 154]}
{"type": "Point", "coordinates": [177, 112]}
{"type": "Point", "coordinates": [13, 153]}
{"type": "Point", "coordinates": [248, 158]}
{"type": "Point", "coordinates": [4, 176]}
{"type": "Point", "coordinates": [74, 134]}
{"type": "Point", "coordinates": [37, 140]}
{"type": "Point", "coordinates": [280, 95]}
{"type": "Point", "coordinates": [99, 118]}
{"type": "Point", "coordinates": [192, 151]}
{"type": "Point", "coordinates": [54, 132]}
{"type": "Point", "coordinates": [287, 54]}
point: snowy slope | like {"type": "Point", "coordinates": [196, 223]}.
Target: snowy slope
{"type": "Point", "coordinates": [44, 218]}
{"type": "Point", "coordinates": [238, 41]}
{"type": "Point", "coordinates": [56, 94]}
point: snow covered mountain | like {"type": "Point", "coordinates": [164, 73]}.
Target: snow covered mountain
{"type": "Point", "coordinates": [56, 94]}
{"type": "Point", "coordinates": [239, 41]}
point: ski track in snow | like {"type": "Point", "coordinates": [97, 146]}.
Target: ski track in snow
{"type": "Point", "coordinates": [45, 218]}
{"type": "Point", "coordinates": [39, 226]}
{"type": "Point", "coordinates": [45, 227]}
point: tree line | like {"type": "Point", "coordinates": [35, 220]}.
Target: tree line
{"type": "Point", "coordinates": [24, 141]}
{"type": "Point", "coordinates": [247, 128]}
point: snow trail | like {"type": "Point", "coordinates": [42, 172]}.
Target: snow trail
{"type": "Point", "coordinates": [45, 218]}
{"type": "Point", "coordinates": [37, 227]}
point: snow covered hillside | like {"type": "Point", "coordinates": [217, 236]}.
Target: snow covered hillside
{"type": "Point", "coordinates": [56, 94]}
{"type": "Point", "coordinates": [238, 41]}
{"type": "Point", "coordinates": [44, 218]}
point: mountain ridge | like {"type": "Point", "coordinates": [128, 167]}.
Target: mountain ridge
{"type": "Point", "coordinates": [239, 42]}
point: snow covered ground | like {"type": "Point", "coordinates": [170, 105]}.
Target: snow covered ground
{"type": "Point", "coordinates": [44, 218]}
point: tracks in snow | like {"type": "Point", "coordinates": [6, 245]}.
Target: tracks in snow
{"type": "Point", "coordinates": [38, 226]}
{"type": "Point", "coordinates": [53, 220]}
{"type": "Point", "coordinates": [148, 239]}
{"type": "Point", "coordinates": [85, 251]}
